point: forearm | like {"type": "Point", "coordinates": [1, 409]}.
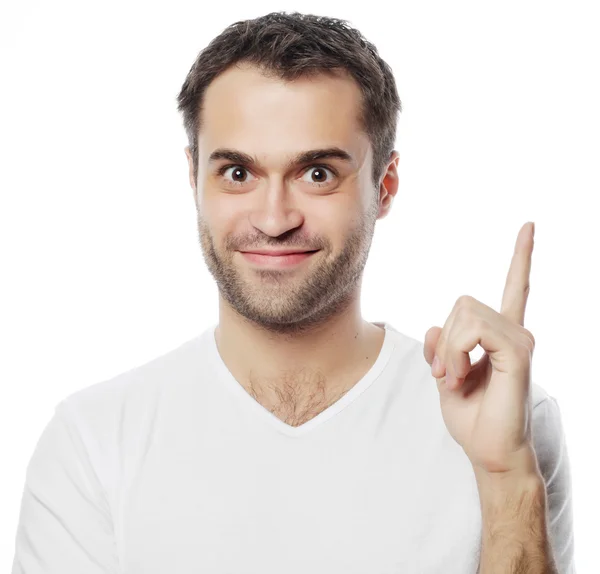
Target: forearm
{"type": "Point", "coordinates": [515, 537]}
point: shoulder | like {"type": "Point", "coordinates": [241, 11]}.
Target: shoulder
{"type": "Point", "coordinates": [550, 444]}
{"type": "Point", "coordinates": [547, 427]}
{"type": "Point", "coordinates": [547, 431]}
{"type": "Point", "coordinates": [135, 386]}
{"type": "Point", "coordinates": [539, 395]}
{"type": "Point", "coordinates": [112, 416]}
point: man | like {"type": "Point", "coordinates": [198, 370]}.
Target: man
{"type": "Point", "coordinates": [295, 436]}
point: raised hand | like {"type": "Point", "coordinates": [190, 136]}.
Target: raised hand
{"type": "Point", "coordinates": [487, 406]}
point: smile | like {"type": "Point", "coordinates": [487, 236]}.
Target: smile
{"type": "Point", "coordinates": [279, 261]}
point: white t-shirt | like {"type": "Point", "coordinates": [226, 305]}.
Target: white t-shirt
{"type": "Point", "coordinates": [172, 467]}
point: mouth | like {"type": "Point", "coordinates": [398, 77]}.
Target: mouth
{"type": "Point", "coordinates": [279, 261]}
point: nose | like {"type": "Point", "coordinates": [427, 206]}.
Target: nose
{"type": "Point", "coordinates": [275, 211]}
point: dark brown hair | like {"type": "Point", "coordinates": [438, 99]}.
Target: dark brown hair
{"type": "Point", "coordinates": [289, 46]}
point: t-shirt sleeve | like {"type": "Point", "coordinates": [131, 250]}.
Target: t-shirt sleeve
{"type": "Point", "coordinates": [65, 523]}
{"type": "Point", "coordinates": [553, 460]}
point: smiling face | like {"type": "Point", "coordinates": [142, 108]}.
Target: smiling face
{"type": "Point", "coordinates": [265, 199]}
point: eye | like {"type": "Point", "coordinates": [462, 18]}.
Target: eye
{"type": "Point", "coordinates": [321, 170]}
{"type": "Point", "coordinates": [237, 170]}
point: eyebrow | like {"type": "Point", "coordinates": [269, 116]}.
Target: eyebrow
{"type": "Point", "coordinates": [301, 158]}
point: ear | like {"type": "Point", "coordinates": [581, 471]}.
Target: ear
{"type": "Point", "coordinates": [190, 159]}
{"type": "Point", "coordinates": [388, 188]}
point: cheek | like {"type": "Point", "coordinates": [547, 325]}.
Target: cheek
{"type": "Point", "coordinates": [338, 211]}
{"type": "Point", "coordinates": [218, 213]}
{"type": "Point", "coordinates": [334, 229]}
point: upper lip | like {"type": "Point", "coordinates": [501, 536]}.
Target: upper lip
{"type": "Point", "coordinates": [277, 252]}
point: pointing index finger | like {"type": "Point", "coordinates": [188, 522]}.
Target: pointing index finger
{"type": "Point", "coordinates": [516, 290]}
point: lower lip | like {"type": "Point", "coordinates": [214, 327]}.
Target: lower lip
{"type": "Point", "coordinates": [277, 260]}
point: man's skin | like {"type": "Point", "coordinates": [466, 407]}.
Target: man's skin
{"type": "Point", "coordinates": [293, 337]}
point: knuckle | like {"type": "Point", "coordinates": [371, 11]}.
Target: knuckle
{"type": "Point", "coordinates": [529, 340]}
{"type": "Point", "coordinates": [464, 301]}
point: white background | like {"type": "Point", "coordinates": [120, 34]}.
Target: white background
{"type": "Point", "coordinates": [101, 265]}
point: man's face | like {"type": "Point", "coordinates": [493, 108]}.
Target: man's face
{"type": "Point", "coordinates": [328, 205]}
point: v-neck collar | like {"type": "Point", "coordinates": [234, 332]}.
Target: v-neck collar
{"type": "Point", "coordinates": [230, 382]}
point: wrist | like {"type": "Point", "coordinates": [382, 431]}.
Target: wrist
{"type": "Point", "coordinates": [522, 468]}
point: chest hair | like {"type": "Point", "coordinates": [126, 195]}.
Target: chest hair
{"type": "Point", "coordinates": [296, 400]}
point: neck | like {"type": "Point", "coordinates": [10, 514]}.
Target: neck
{"type": "Point", "coordinates": [325, 357]}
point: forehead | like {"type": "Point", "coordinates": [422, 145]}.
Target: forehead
{"type": "Point", "coordinates": [246, 109]}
